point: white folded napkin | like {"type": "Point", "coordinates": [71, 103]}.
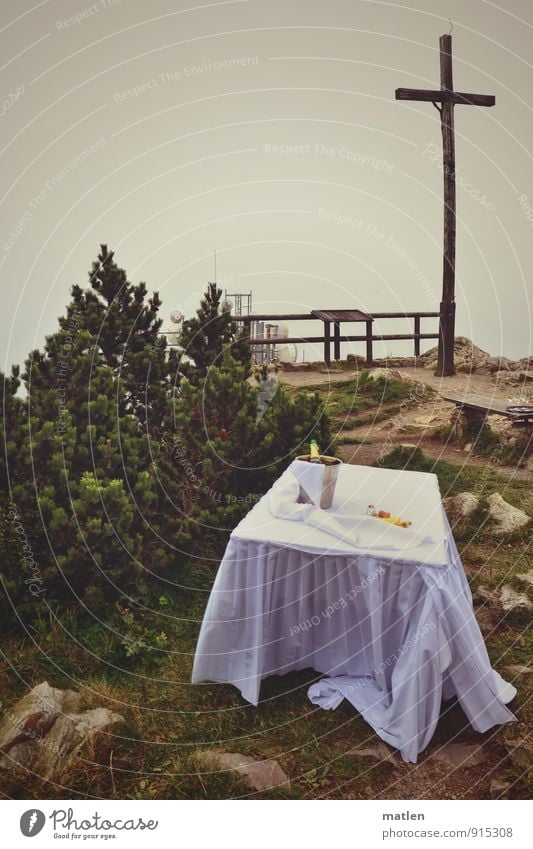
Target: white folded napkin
{"type": "Point", "coordinates": [359, 530]}
{"type": "Point", "coordinates": [283, 499]}
{"type": "Point", "coordinates": [310, 476]}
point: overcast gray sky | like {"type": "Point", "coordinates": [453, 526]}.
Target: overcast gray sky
{"type": "Point", "coordinates": [266, 129]}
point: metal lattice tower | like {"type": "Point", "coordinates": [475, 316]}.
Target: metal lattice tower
{"type": "Point", "coordinates": [241, 303]}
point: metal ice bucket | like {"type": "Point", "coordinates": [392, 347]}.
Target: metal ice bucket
{"type": "Point", "coordinates": [330, 466]}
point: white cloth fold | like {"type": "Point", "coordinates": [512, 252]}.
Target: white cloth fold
{"type": "Point", "coordinates": [310, 477]}
{"type": "Point", "coordinates": [358, 529]}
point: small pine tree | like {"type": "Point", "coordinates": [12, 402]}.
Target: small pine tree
{"type": "Point", "coordinates": [12, 539]}
{"type": "Point", "coordinates": [107, 503]}
{"type": "Point", "coordinates": [87, 482]}
{"type": "Point", "coordinates": [124, 326]}
{"type": "Point", "coordinates": [209, 335]}
{"type": "Point", "coordinates": [11, 429]}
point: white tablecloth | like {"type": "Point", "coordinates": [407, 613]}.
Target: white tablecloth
{"type": "Point", "coordinates": [394, 630]}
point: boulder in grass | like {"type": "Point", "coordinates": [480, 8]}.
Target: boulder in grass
{"type": "Point", "coordinates": [43, 732]}
{"type": "Point", "coordinates": [505, 517]}
{"type": "Point", "coordinates": [380, 752]}
{"type": "Point", "coordinates": [461, 505]}
{"type": "Point", "coordinates": [505, 598]}
{"type": "Point", "coordinates": [259, 774]}
{"type": "Point", "coordinates": [512, 601]}
{"type": "Point", "coordinates": [28, 722]}
{"type": "Point", "coordinates": [484, 593]}
{"type": "Point", "coordinates": [499, 789]}
{"type": "Point", "coordinates": [380, 374]}
{"type": "Point", "coordinates": [459, 755]}
{"type": "Point", "coordinates": [66, 738]}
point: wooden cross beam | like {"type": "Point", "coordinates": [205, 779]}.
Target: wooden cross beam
{"type": "Point", "coordinates": [447, 98]}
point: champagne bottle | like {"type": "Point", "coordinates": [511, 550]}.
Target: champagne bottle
{"type": "Point", "coordinates": [314, 453]}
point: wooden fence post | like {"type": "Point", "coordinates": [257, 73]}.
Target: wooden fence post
{"type": "Point", "coordinates": [337, 340]}
{"type": "Point", "coordinates": [327, 350]}
{"type": "Point", "coordinates": [369, 356]}
{"type": "Point", "coordinates": [417, 335]}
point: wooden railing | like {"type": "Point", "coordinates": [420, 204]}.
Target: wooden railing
{"type": "Point", "coordinates": [369, 337]}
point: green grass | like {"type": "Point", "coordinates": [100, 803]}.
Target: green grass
{"type": "Point", "coordinates": [349, 440]}
{"type": "Point", "coordinates": [346, 399]}
{"type": "Point", "coordinates": [381, 414]}
{"type": "Point", "coordinates": [361, 391]}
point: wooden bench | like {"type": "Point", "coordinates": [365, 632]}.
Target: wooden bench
{"type": "Point", "coordinates": [477, 407]}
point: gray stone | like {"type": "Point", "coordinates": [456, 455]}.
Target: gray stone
{"type": "Point", "coordinates": [18, 755]}
{"type": "Point", "coordinates": [505, 517]}
{"type": "Point", "coordinates": [469, 358]}
{"type": "Point", "coordinates": [499, 789]}
{"type": "Point", "coordinates": [504, 363]}
{"type": "Point", "coordinates": [31, 717]}
{"type": "Point", "coordinates": [43, 733]}
{"type": "Point", "coordinates": [380, 753]}
{"type": "Point", "coordinates": [380, 374]}
{"type": "Point", "coordinates": [260, 775]}
{"type": "Point", "coordinates": [511, 600]}
{"type": "Point", "coordinates": [486, 594]}
{"type": "Point", "coordinates": [507, 598]}
{"type": "Point", "coordinates": [464, 365]}
{"type": "Point", "coordinates": [486, 366]}
{"type": "Point", "coordinates": [461, 505]}
{"type": "Point", "coordinates": [68, 734]}
{"type": "Point", "coordinates": [459, 755]}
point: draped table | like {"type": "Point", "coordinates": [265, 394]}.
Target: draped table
{"type": "Point", "coordinates": [385, 612]}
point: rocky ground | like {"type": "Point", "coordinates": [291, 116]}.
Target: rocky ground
{"type": "Point", "coordinates": [422, 422]}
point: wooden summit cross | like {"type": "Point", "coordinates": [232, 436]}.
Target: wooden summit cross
{"type": "Point", "coordinates": [447, 97]}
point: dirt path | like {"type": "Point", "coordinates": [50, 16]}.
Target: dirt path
{"type": "Point", "coordinates": [480, 384]}
{"type": "Point", "coordinates": [417, 423]}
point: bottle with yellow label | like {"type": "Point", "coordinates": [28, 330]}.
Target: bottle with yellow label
{"type": "Point", "coordinates": [314, 453]}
